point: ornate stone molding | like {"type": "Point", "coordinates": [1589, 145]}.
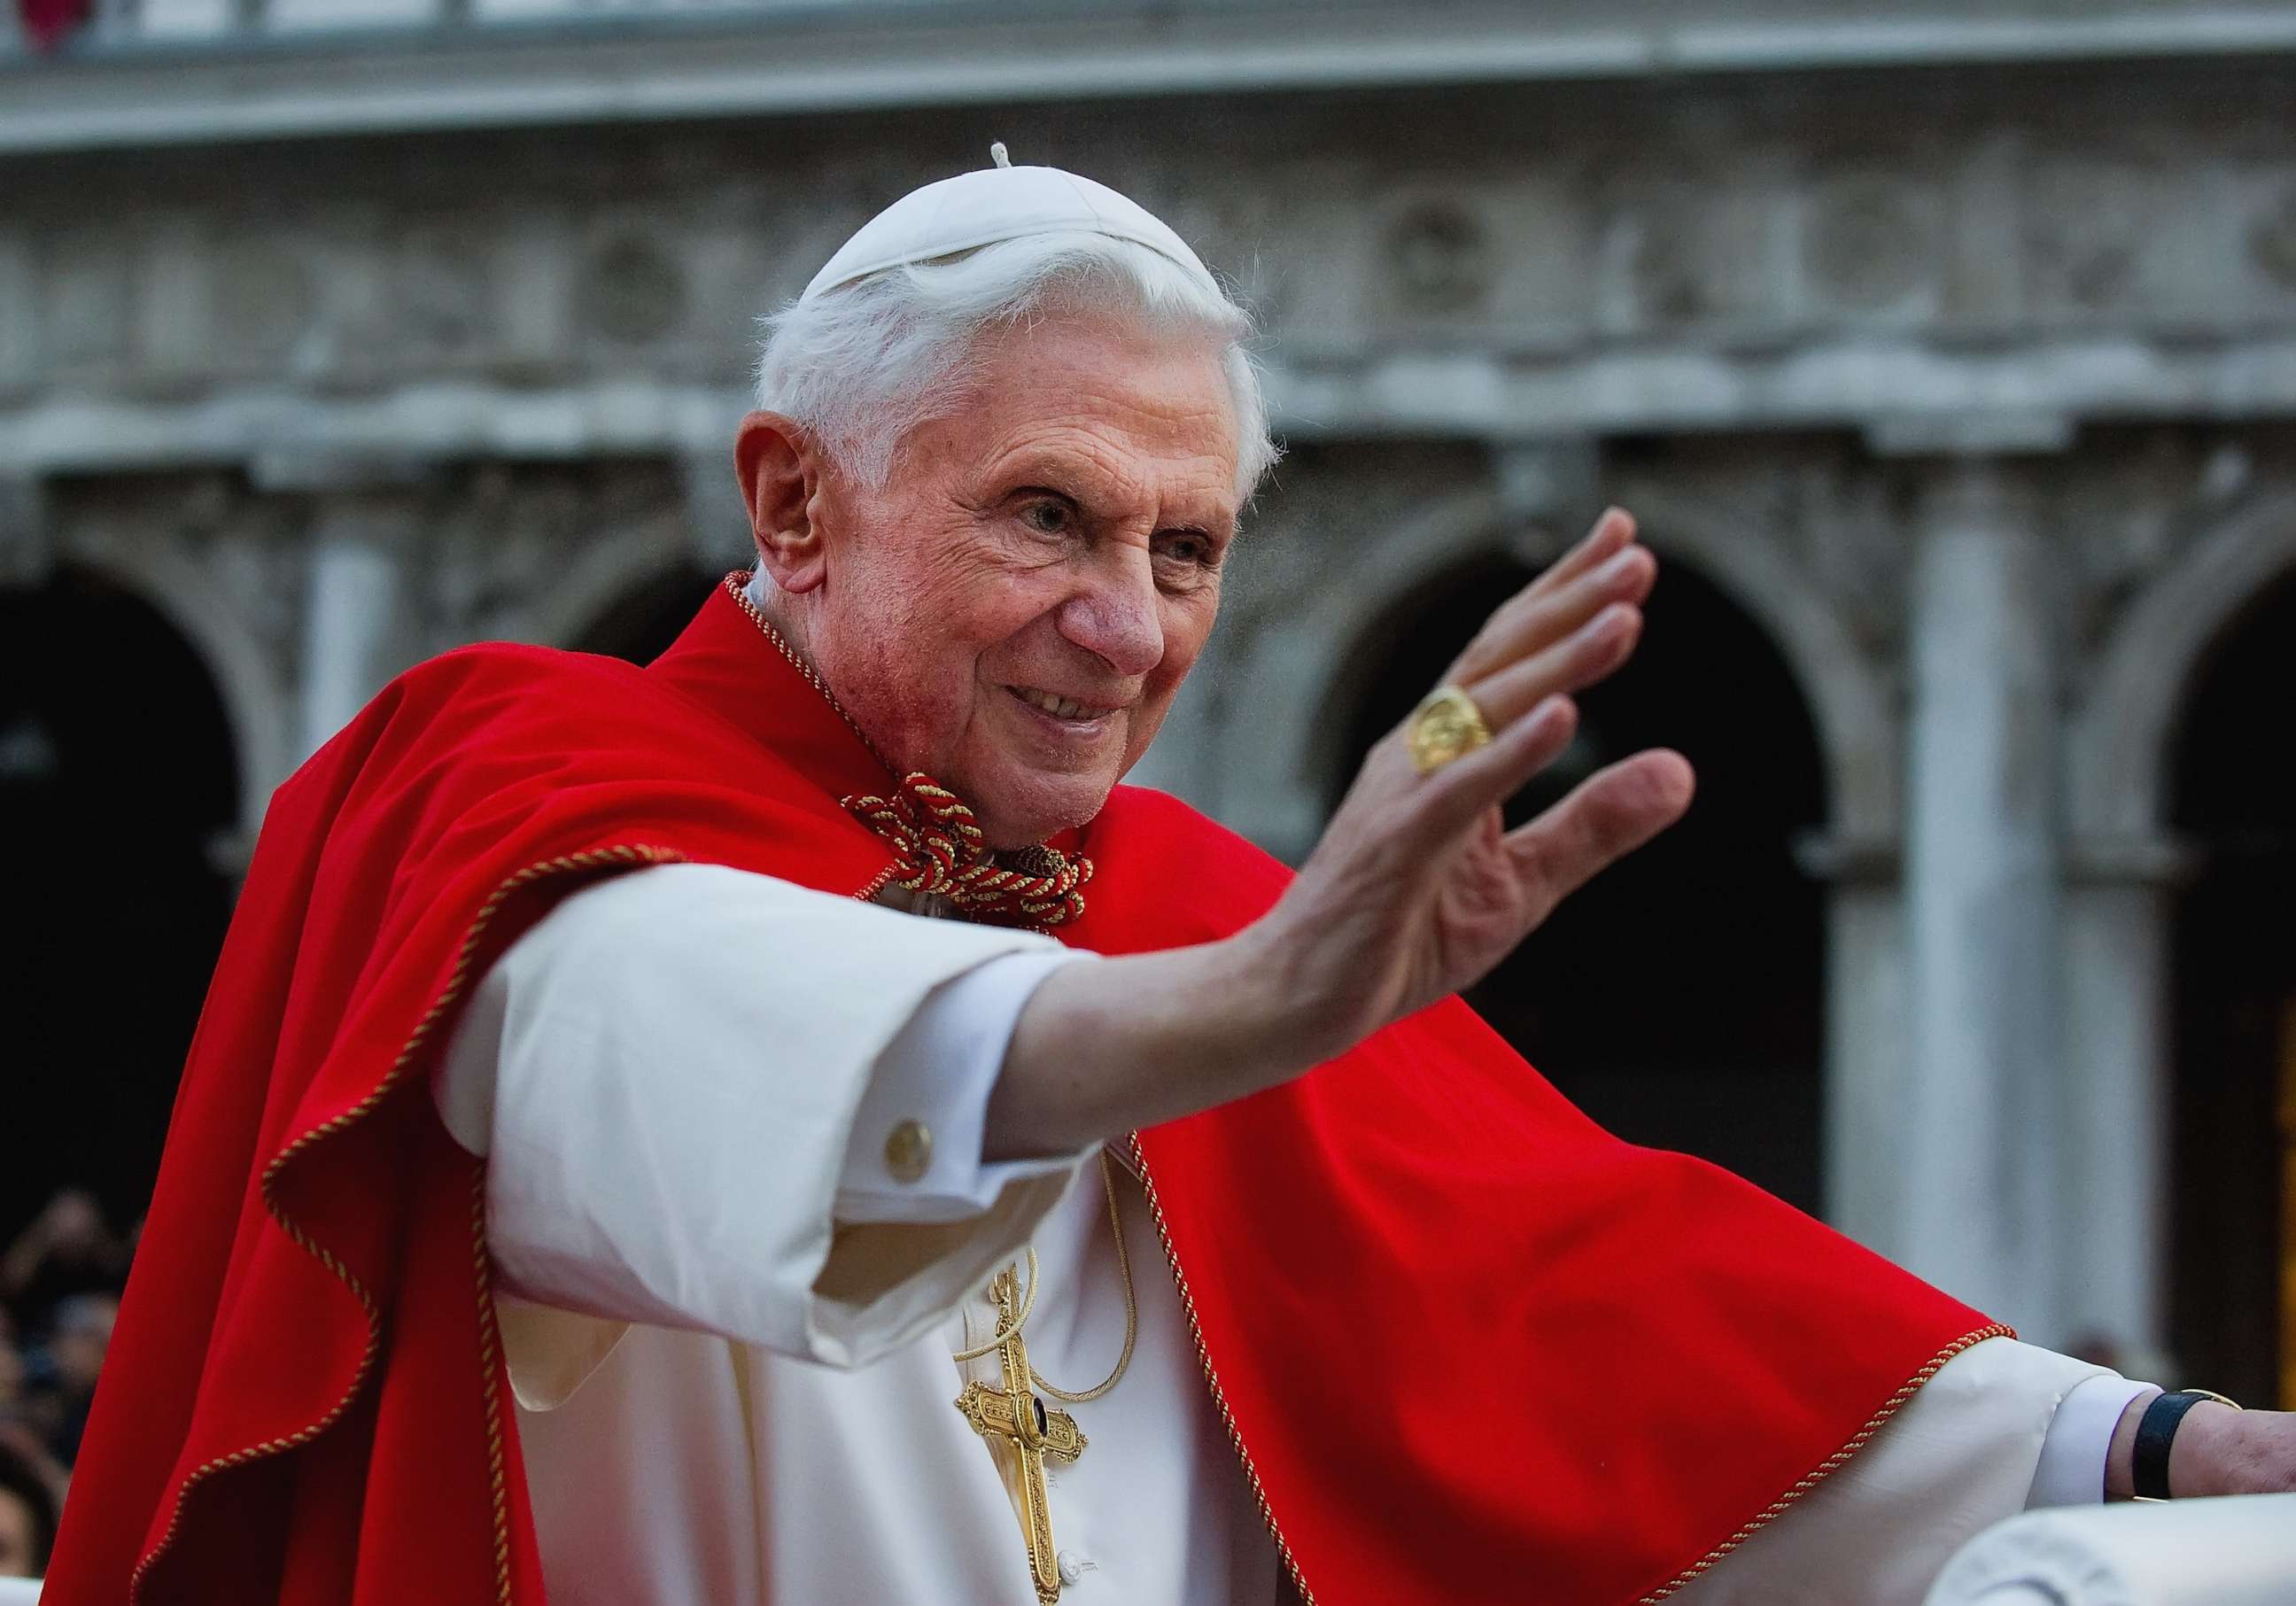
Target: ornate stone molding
{"type": "Point", "coordinates": [1517, 271]}
{"type": "Point", "coordinates": [2117, 738]}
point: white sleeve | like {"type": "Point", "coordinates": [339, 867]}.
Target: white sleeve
{"type": "Point", "coordinates": [665, 1076]}
{"type": "Point", "coordinates": [934, 1078]}
{"type": "Point", "coordinates": [1957, 1457]}
{"type": "Point", "coordinates": [2071, 1469]}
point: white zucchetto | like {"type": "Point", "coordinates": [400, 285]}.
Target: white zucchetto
{"type": "Point", "coordinates": [997, 203]}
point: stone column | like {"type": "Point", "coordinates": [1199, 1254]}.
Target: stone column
{"type": "Point", "coordinates": [1866, 1054]}
{"type": "Point", "coordinates": [2115, 1128]}
{"type": "Point", "coordinates": [356, 635]}
{"type": "Point", "coordinates": [1978, 1169]}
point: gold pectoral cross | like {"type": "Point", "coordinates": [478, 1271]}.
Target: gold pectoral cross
{"type": "Point", "coordinates": [1014, 1413]}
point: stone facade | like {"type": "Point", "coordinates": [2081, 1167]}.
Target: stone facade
{"type": "Point", "coordinates": [1970, 386]}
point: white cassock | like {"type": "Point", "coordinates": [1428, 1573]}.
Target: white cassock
{"type": "Point", "coordinates": [730, 1327]}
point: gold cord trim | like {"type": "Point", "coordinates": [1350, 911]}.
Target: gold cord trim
{"type": "Point", "coordinates": [1831, 1464]}
{"type": "Point", "coordinates": [489, 1345]}
{"type": "Point", "coordinates": [1020, 1318]}
{"type": "Point", "coordinates": [1769, 1515]}
{"type": "Point", "coordinates": [1212, 1378]}
{"type": "Point", "coordinates": [1131, 1302]}
{"type": "Point", "coordinates": [1131, 1309]}
{"type": "Point", "coordinates": [737, 586]}
{"type": "Point", "coordinates": [457, 979]}
{"type": "Point", "coordinates": [937, 842]}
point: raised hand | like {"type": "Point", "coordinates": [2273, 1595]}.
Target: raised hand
{"type": "Point", "coordinates": [1415, 891]}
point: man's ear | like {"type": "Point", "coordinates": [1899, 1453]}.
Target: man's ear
{"type": "Point", "coordinates": [779, 470]}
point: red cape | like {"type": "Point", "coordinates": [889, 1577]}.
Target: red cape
{"type": "Point", "coordinates": [1470, 1347]}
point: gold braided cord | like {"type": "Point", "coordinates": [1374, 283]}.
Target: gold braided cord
{"type": "Point", "coordinates": [458, 978]}
{"type": "Point", "coordinates": [942, 851]}
{"type": "Point", "coordinates": [937, 841]}
{"type": "Point", "coordinates": [737, 586]}
{"type": "Point", "coordinates": [1131, 1305]}
{"type": "Point", "coordinates": [1020, 1316]}
{"type": "Point", "coordinates": [1027, 1303]}
{"type": "Point", "coordinates": [1832, 1463]}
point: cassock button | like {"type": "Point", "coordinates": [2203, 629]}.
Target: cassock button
{"type": "Point", "coordinates": [908, 1150]}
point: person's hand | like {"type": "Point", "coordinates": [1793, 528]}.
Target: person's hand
{"type": "Point", "coordinates": [2220, 1451]}
{"type": "Point", "coordinates": [1417, 889]}
{"type": "Point", "coordinates": [2217, 1451]}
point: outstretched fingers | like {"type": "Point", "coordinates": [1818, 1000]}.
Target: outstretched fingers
{"type": "Point", "coordinates": [1610, 533]}
{"type": "Point", "coordinates": [1464, 790]}
{"type": "Point", "coordinates": [1606, 818]}
{"type": "Point", "coordinates": [1551, 608]}
{"type": "Point", "coordinates": [1591, 652]}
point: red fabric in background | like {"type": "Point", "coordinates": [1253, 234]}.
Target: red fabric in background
{"type": "Point", "coordinates": [1475, 1349]}
{"type": "Point", "coordinates": [46, 21]}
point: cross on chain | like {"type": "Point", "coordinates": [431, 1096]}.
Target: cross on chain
{"type": "Point", "coordinates": [1014, 1412]}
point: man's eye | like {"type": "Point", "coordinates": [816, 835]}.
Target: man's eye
{"type": "Point", "coordinates": [1188, 549]}
{"type": "Point", "coordinates": [1049, 517]}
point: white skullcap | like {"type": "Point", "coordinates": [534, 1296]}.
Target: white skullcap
{"type": "Point", "coordinates": [1001, 203]}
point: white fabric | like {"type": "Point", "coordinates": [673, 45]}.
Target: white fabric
{"type": "Point", "coordinates": [939, 1070]}
{"type": "Point", "coordinates": [711, 1034]}
{"type": "Point", "coordinates": [687, 1468]}
{"type": "Point", "coordinates": [2240, 1552]}
{"type": "Point", "coordinates": [690, 1468]}
{"type": "Point", "coordinates": [690, 1471]}
{"type": "Point", "coordinates": [1958, 1457]}
{"type": "Point", "coordinates": [982, 208]}
{"type": "Point", "coordinates": [2071, 1469]}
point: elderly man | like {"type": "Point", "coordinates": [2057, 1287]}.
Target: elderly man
{"type": "Point", "coordinates": [662, 1136]}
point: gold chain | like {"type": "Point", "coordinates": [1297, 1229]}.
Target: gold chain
{"type": "Point", "coordinates": [1131, 1305]}
{"type": "Point", "coordinates": [1027, 1303]}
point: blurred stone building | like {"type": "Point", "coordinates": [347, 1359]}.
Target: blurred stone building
{"type": "Point", "coordinates": [1948, 354]}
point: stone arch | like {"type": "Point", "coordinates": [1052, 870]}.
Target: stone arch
{"type": "Point", "coordinates": [625, 561]}
{"type": "Point", "coordinates": [1456, 532]}
{"type": "Point", "coordinates": [1720, 907]}
{"type": "Point", "coordinates": [122, 767]}
{"type": "Point", "coordinates": [1858, 723]}
{"type": "Point", "coordinates": [2118, 747]}
{"type": "Point", "coordinates": [1294, 636]}
{"type": "Point", "coordinates": [197, 607]}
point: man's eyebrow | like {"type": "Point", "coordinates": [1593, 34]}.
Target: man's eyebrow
{"type": "Point", "coordinates": [1054, 491]}
{"type": "Point", "coordinates": [1067, 479]}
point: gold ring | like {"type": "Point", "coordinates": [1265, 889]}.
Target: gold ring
{"type": "Point", "coordinates": [1444, 728]}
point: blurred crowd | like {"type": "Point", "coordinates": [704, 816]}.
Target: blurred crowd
{"type": "Point", "coordinates": [60, 1282]}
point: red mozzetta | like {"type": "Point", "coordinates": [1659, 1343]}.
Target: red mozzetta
{"type": "Point", "coordinates": [1471, 1346]}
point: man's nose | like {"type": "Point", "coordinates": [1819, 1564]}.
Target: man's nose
{"type": "Point", "coordinates": [1115, 616]}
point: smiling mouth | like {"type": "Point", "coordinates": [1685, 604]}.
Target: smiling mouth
{"type": "Point", "coordinates": [1059, 706]}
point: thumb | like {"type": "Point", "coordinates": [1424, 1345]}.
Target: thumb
{"type": "Point", "coordinates": [1606, 816]}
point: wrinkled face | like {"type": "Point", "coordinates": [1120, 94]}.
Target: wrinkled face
{"type": "Point", "coordinates": [1014, 612]}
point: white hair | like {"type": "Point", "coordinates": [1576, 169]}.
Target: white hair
{"type": "Point", "coordinates": [859, 366]}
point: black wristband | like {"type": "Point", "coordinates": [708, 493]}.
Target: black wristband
{"type": "Point", "coordinates": [2156, 1431]}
